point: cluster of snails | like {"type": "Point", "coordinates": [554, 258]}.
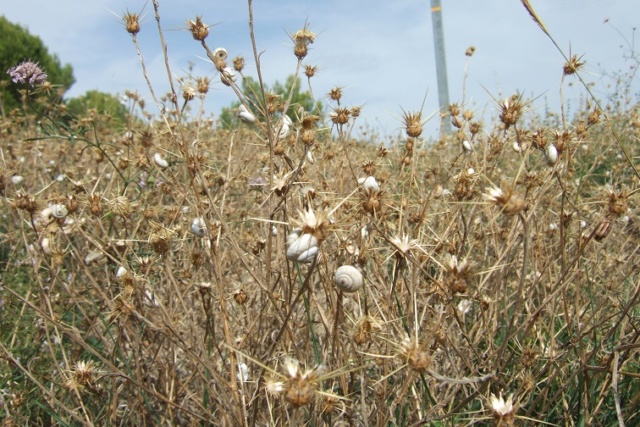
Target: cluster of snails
{"type": "Point", "coordinates": [302, 247]}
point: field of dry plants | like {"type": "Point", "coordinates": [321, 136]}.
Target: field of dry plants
{"type": "Point", "coordinates": [283, 272]}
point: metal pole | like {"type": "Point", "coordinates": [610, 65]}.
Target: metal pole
{"type": "Point", "coordinates": [441, 63]}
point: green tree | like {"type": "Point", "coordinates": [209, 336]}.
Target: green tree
{"type": "Point", "coordinates": [104, 104]}
{"type": "Point", "coordinates": [17, 45]}
{"type": "Point", "coordinates": [251, 89]}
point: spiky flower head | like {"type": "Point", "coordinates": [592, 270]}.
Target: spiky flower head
{"type": "Point", "coordinates": [132, 23]}
{"type": "Point", "coordinates": [618, 203]}
{"type": "Point", "coordinates": [310, 70]}
{"type": "Point", "coordinates": [315, 223]}
{"type": "Point", "coordinates": [302, 39]}
{"type": "Point", "coordinates": [404, 245]}
{"type": "Point", "coordinates": [238, 63]}
{"type": "Point", "coordinates": [413, 123]}
{"type": "Point", "coordinates": [573, 65]}
{"type": "Point", "coordinates": [299, 386]}
{"type": "Point", "coordinates": [508, 201]}
{"type": "Point", "coordinates": [335, 94]}
{"type": "Point", "coordinates": [416, 357]}
{"type": "Point", "coordinates": [82, 375]}
{"type": "Point", "coordinates": [188, 92]}
{"type": "Point", "coordinates": [203, 84]}
{"type": "Point", "coordinates": [340, 116]}
{"type": "Point", "coordinates": [199, 31]}
{"type": "Point", "coordinates": [511, 110]}
{"type": "Point", "coordinates": [503, 411]}
{"type": "Point", "coordinates": [27, 72]}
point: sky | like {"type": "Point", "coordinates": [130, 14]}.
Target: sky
{"type": "Point", "coordinates": [380, 52]}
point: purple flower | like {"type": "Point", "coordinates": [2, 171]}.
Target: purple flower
{"type": "Point", "coordinates": [27, 72]}
{"type": "Point", "coordinates": [257, 183]}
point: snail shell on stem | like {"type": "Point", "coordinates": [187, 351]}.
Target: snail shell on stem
{"type": "Point", "coordinates": [369, 183]}
{"type": "Point", "coordinates": [59, 210]}
{"type": "Point", "coordinates": [302, 247]}
{"type": "Point", "coordinates": [348, 278]}
{"type": "Point", "coordinates": [220, 53]}
{"type": "Point", "coordinates": [228, 76]}
{"type": "Point", "coordinates": [160, 161]}
{"type": "Point", "coordinates": [198, 227]}
{"type": "Point", "coordinates": [551, 154]}
{"type": "Point", "coordinates": [245, 115]}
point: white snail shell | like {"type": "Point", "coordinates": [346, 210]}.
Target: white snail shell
{"type": "Point", "coordinates": [348, 278]}
{"type": "Point", "coordinates": [46, 214]}
{"type": "Point", "coordinates": [302, 247]}
{"type": "Point", "coordinates": [466, 146]}
{"type": "Point", "coordinates": [121, 272]}
{"type": "Point", "coordinates": [517, 147]}
{"type": "Point", "coordinates": [59, 210]}
{"type": "Point", "coordinates": [228, 76]}
{"type": "Point", "coordinates": [92, 257]}
{"type": "Point", "coordinates": [220, 53]}
{"type": "Point", "coordinates": [198, 227]}
{"type": "Point", "coordinates": [46, 245]}
{"type": "Point", "coordinates": [552, 154]}
{"type": "Point", "coordinates": [16, 179]}
{"type": "Point", "coordinates": [160, 161]}
{"type": "Point", "coordinates": [245, 115]}
{"type": "Point", "coordinates": [284, 131]}
{"type": "Point", "coordinates": [369, 183]}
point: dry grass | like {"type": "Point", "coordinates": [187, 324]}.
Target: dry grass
{"type": "Point", "coordinates": [500, 267]}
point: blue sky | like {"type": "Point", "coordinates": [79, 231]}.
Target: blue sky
{"type": "Point", "coordinates": [380, 52]}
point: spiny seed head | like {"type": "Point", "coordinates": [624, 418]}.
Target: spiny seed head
{"type": "Point", "coordinates": [25, 202]}
{"type": "Point", "coordinates": [340, 116]}
{"type": "Point", "coordinates": [310, 70]}
{"type": "Point", "coordinates": [203, 84]}
{"type": "Point", "coordinates": [404, 245]}
{"type": "Point", "coordinates": [238, 63]}
{"type": "Point", "coordinates": [309, 121]}
{"type": "Point", "coordinates": [82, 375]}
{"type": "Point", "coordinates": [302, 38]}
{"type": "Point", "coordinates": [120, 206]}
{"type": "Point", "coordinates": [413, 123]}
{"type": "Point", "coordinates": [617, 203]}
{"type": "Point", "coordinates": [475, 127]}
{"type": "Point", "coordinates": [335, 94]}
{"type": "Point", "coordinates": [315, 223]}
{"type": "Point", "coordinates": [511, 110]}
{"type": "Point", "coordinates": [594, 117]}
{"type": "Point", "coordinates": [470, 51]}
{"type": "Point", "coordinates": [509, 202]}
{"type": "Point", "coordinates": [573, 65]}
{"type": "Point", "coordinates": [188, 93]}
{"type": "Point", "coordinates": [456, 267]}
{"type": "Point", "coordinates": [417, 358]}
{"type": "Point", "coordinates": [503, 410]}
{"type": "Point", "coordinates": [369, 168]}
{"type": "Point", "coordinates": [199, 31]}
{"type": "Point", "coordinates": [538, 139]}
{"type": "Point", "coordinates": [300, 387]}
{"type": "Point", "coordinates": [132, 23]}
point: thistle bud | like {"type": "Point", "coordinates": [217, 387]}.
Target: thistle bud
{"type": "Point", "coordinates": [199, 31]}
